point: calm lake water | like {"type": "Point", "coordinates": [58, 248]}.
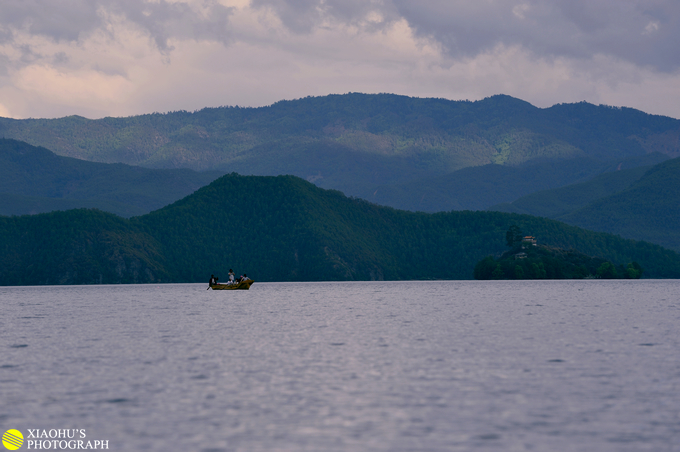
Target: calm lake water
{"type": "Point", "coordinates": [381, 366]}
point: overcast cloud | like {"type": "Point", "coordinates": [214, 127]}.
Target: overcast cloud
{"type": "Point", "coordinates": [121, 57]}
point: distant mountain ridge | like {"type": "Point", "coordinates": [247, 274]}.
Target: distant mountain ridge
{"type": "Point", "coordinates": [35, 180]}
{"type": "Point", "coordinates": [355, 142]}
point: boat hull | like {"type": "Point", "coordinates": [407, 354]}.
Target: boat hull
{"type": "Point", "coordinates": [243, 285]}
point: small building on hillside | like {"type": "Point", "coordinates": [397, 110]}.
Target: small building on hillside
{"type": "Point", "coordinates": [528, 240]}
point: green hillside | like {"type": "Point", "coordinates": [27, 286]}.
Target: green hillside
{"type": "Point", "coordinates": [282, 229]}
{"type": "Point", "coordinates": [649, 209]}
{"type": "Point", "coordinates": [355, 142]}
{"type": "Point", "coordinates": [641, 203]}
{"type": "Point", "coordinates": [77, 247]}
{"type": "Point", "coordinates": [479, 188]}
{"type": "Point", "coordinates": [561, 201]}
{"type": "Point", "coordinates": [35, 180]}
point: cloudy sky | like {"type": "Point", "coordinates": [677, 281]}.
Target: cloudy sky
{"type": "Point", "coordinates": [99, 58]}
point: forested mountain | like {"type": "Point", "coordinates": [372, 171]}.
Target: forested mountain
{"type": "Point", "coordinates": [556, 202]}
{"type": "Point", "coordinates": [648, 210]}
{"type": "Point", "coordinates": [35, 180]}
{"type": "Point", "coordinates": [77, 247]}
{"type": "Point", "coordinates": [360, 143]}
{"type": "Point", "coordinates": [282, 229]}
{"type": "Point", "coordinates": [480, 187]}
{"type": "Point", "coordinates": [641, 203]}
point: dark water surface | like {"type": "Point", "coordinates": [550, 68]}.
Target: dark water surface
{"type": "Point", "coordinates": [382, 366]}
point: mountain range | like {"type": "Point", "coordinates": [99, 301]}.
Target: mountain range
{"type": "Point", "coordinates": [360, 143]}
{"type": "Point", "coordinates": [570, 162]}
{"type": "Point", "coordinates": [282, 229]}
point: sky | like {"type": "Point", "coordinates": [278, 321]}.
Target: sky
{"type": "Point", "coordinates": [98, 58]}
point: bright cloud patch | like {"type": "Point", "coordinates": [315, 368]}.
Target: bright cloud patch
{"type": "Point", "coordinates": [115, 57]}
{"type": "Point", "coordinates": [72, 87]}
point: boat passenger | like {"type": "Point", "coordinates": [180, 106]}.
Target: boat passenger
{"type": "Point", "coordinates": [213, 280]}
{"type": "Point", "coordinates": [244, 277]}
{"type": "Point", "coordinates": [231, 276]}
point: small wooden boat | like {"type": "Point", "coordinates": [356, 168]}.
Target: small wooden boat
{"type": "Point", "coordinates": [242, 285]}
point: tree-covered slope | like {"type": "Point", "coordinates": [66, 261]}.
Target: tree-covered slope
{"type": "Point", "coordinates": [556, 202]}
{"type": "Point", "coordinates": [35, 180]}
{"type": "Point", "coordinates": [642, 203]}
{"type": "Point", "coordinates": [282, 229]}
{"type": "Point", "coordinates": [479, 188]}
{"type": "Point", "coordinates": [77, 247]}
{"type": "Point", "coordinates": [544, 262]}
{"type": "Point", "coordinates": [649, 209]}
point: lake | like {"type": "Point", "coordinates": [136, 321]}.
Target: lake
{"type": "Point", "coordinates": [587, 365]}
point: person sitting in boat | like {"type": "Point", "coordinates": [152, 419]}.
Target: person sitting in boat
{"type": "Point", "coordinates": [231, 276]}
{"type": "Point", "coordinates": [244, 277]}
{"type": "Point", "coordinates": [213, 280]}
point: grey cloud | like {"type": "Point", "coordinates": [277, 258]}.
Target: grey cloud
{"type": "Point", "coordinates": [302, 16]}
{"type": "Point", "coordinates": [4, 65]}
{"type": "Point", "coordinates": [60, 59]}
{"type": "Point", "coordinates": [644, 32]}
{"type": "Point", "coordinates": [68, 20]}
{"type": "Point", "coordinates": [165, 20]}
{"type": "Point", "coordinates": [60, 20]}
